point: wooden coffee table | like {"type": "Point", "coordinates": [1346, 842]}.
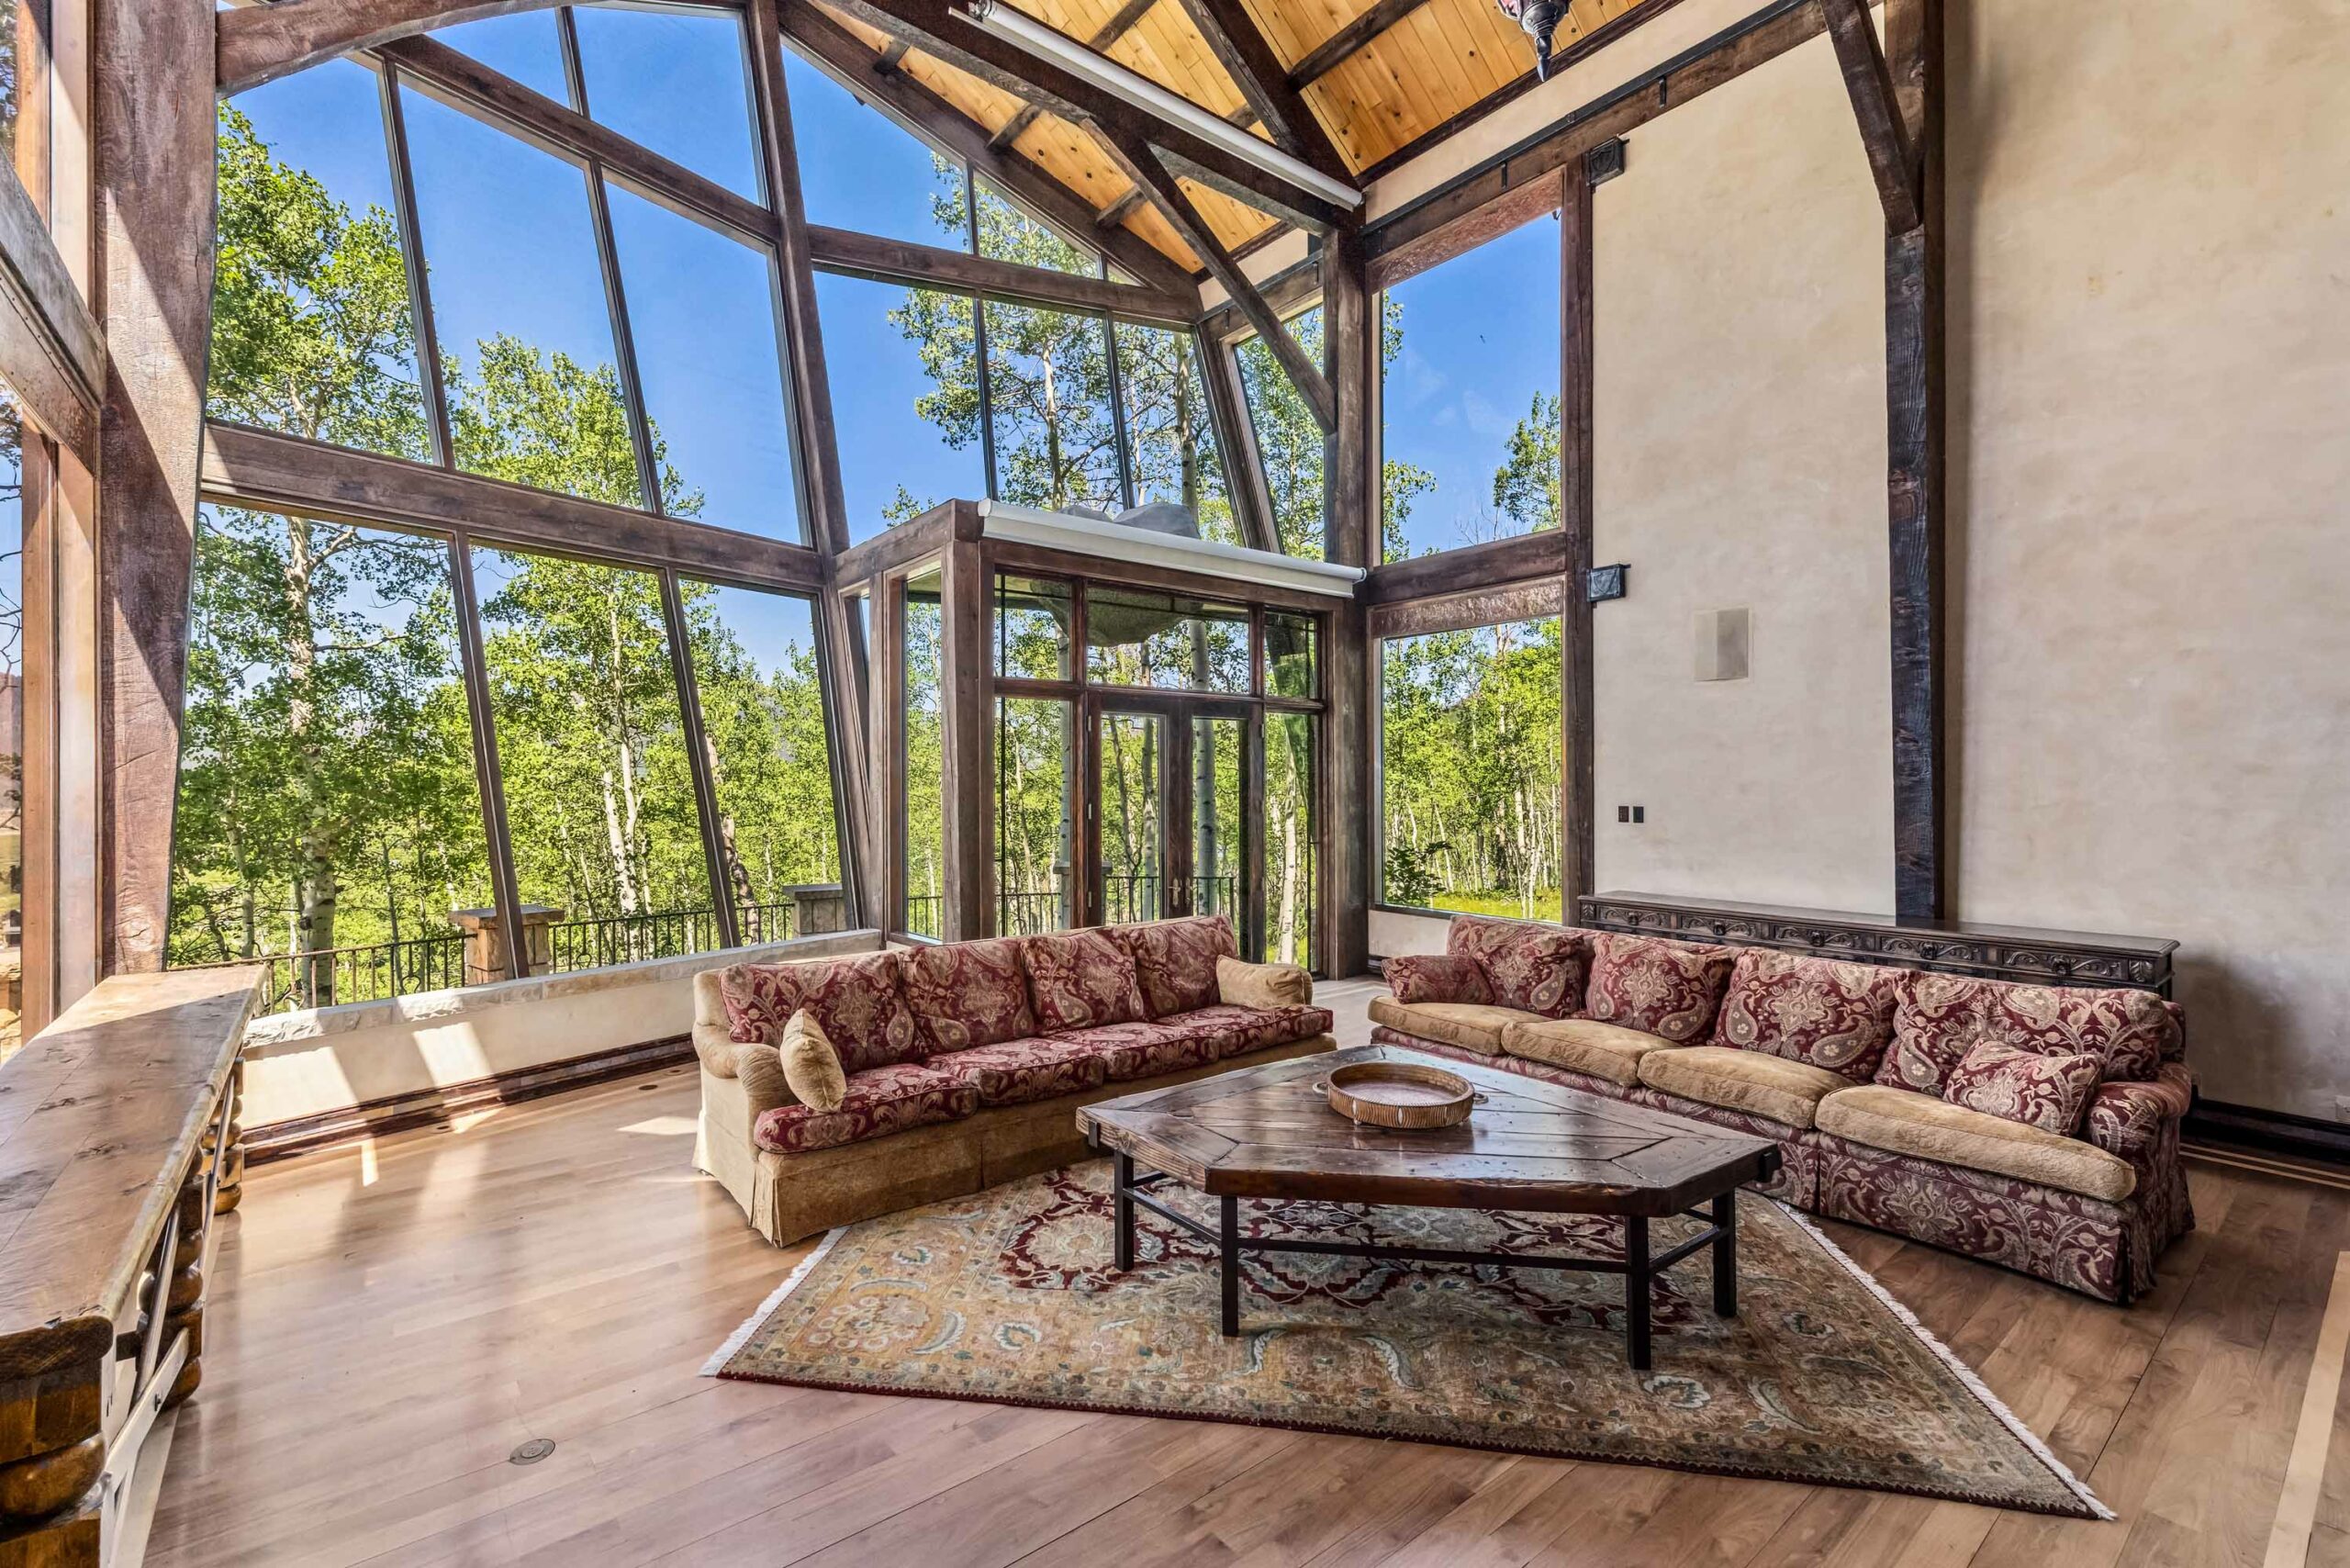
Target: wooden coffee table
{"type": "Point", "coordinates": [1266, 1132]}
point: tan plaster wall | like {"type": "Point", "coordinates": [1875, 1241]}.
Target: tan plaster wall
{"type": "Point", "coordinates": [1739, 420]}
{"type": "Point", "coordinates": [2150, 327]}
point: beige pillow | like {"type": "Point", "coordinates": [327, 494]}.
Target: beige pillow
{"type": "Point", "coordinates": [1262, 985]}
{"type": "Point", "coordinates": [811, 1065]}
{"type": "Point", "coordinates": [759, 1069]}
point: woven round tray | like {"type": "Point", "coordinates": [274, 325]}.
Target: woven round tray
{"type": "Point", "coordinates": [1399, 1094]}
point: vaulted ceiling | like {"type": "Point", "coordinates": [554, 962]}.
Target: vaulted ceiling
{"type": "Point", "coordinates": [1377, 77]}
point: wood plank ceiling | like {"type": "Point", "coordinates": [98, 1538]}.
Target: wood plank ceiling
{"type": "Point", "coordinates": [1432, 60]}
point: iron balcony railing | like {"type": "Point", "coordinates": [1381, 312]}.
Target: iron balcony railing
{"type": "Point", "coordinates": [1034, 911]}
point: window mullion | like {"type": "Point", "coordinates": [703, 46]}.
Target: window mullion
{"type": "Point", "coordinates": [980, 334]}
{"type": "Point", "coordinates": [420, 292]}
{"type": "Point", "coordinates": [474, 665]}
{"type": "Point", "coordinates": [1118, 412]}
{"type": "Point", "coordinates": [697, 758]}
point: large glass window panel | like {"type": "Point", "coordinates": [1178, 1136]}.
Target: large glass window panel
{"type": "Point", "coordinates": [1055, 429]}
{"type": "Point", "coordinates": [1170, 434]}
{"type": "Point", "coordinates": [526, 46]}
{"type": "Point", "coordinates": [1469, 397]}
{"type": "Point", "coordinates": [904, 373]}
{"type": "Point", "coordinates": [312, 332]}
{"type": "Point", "coordinates": [922, 740]}
{"type": "Point", "coordinates": [676, 82]}
{"type": "Point", "coordinates": [701, 314]}
{"type": "Point", "coordinates": [861, 170]}
{"type": "Point", "coordinates": [1035, 821]}
{"type": "Point", "coordinates": [518, 295]}
{"type": "Point", "coordinates": [592, 747]}
{"type": "Point", "coordinates": [1032, 627]}
{"type": "Point", "coordinates": [1007, 233]}
{"type": "Point", "coordinates": [330, 817]}
{"type": "Point", "coordinates": [1130, 785]}
{"type": "Point", "coordinates": [1292, 910]}
{"type": "Point", "coordinates": [1470, 744]}
{"type": "Point", "coordinates": [1288, 438]}
{"type": "Point", "coordinates": [1219, 827]}
{"type": "Point", "coordinates": [763, 716]}
{"type": "Point", "coordinates": [1140, 638]}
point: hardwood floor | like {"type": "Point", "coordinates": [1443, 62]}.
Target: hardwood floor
{"type": "Point", "coordinates": [387, 1324]}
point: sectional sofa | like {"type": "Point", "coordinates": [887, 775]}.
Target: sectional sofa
{"type": "Point", "coordinates": [966, 1061]}
{"type": "Point", "coordinates": [2036, 1127]}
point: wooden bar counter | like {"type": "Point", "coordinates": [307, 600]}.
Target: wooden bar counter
{"type": "Point", "coordinates": [119, 1143]}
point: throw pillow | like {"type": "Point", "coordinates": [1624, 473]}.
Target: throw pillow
{"type": "Point", "coordinates": [1425, 977]}
{"type": "Point", "coordinates": [810, 1066]}
{"type": "Point", "coordinates": [1816, 1011]}
{"type": "Point", "coordinates": [1081, 979]}
{"type": "Point", "coordinates": [1239, 984]}
{"type": "Point", "coordinates": [1659, 987]}
{"type": "Point", "coordinates": [2041, 1091]}
{"type": "Point", "coordinates": [1534, 969]}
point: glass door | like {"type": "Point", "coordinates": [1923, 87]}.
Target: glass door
{"type": "Point", "coordinates": [1217, 825]}
{"type": "Point", "coordinates": [1133, 755]}
{"type": "Point", "coordinates": [1171, 836]}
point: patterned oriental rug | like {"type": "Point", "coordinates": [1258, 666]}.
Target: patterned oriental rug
{"type": "Point", "coordinates": [1009, 1297]}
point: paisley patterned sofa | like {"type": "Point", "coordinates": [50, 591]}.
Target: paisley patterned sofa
{"type": "Point", "coordinates": [966, 1061]}
{"type": "Point", "coordinates": [2036, 1127]}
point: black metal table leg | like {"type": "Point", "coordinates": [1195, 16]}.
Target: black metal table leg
{"type": "Point", "coordinates": [1726, 1254]}
{"type": "Point", "coordinates": [1121, 1205]}
{"type": "Point", "coordinates": [1231, 1266]}
{"type": "Point", "coordinates": [1636, 1291]}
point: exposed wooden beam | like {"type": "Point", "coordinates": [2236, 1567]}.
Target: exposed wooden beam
{"type": "Point", "coordinates": [1884, 136]}
{"type": "Point", "coordinates": [1288, 291]}
{"type": "Point", "coordinates": [1348, 41]}
{"type": "Point", "coordinates": [1233, 38]}
{"type": "Point", "coordinates": [1578, 685]}
{"type": "Point", "coordinates": [263, 469]}
{"type": "Point", "coordinates": [848, 61]}
{"type": "Point", "coordinates": [1143, 165]}
{"type": "Point", "coordinates": [1125, 207]}
{"type": "Point", "coordinates": [901, 261]}
{"type": "Point", "coordinates": [933, 27]}
{"type": "Point", "coordinates": [48, 339]}
{"type": "Point", "coordinates": [1244, 464]}
{"type": "Point", "coordinates": [1489, 564]}
{"type": "Point", "coordinates": [1729, 54]}
{"type": "Point", "coordinates": [253, 44]}
{"type": "Point", "coordinates": [444, 72]}
{"type": "Point", "coordinates": [1108, 33]}
{"type": "Point", "coordinates": [156, 127]}
{"type": "Point", "coordinates": [1916, 413]}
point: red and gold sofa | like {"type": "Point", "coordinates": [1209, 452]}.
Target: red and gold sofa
{"type": "Point", "coordinates": [2036, 1127]}
{"type": "Point", "coordinates": [966, 1061]}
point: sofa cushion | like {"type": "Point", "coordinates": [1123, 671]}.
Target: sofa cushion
{"type": "Point", "coordinates": [1942, 1016]}
{"type": "Point", "coordinates": [1016, 1073]}
{"type": "Point", "coordinates": [969, 994]}
{"type": "Point", "coordinates": [2128, 1119]}
{"type": "Point", "coordinates": [1239, 1030]}
{"type": "Point", "coordinates": [1436, 977]}
{"type": "Point", "coordinates": [1078, 980]}
{"type": "Point", "coordinates": [2045, 1091]}
{"type": "Point", "coordinates": [1175, 959]}
{"type": "Point", "coordinates": [1262, 985]}
{"type": "Point", "coordinates": [1582, 1045]}
{"type": "Point", "coordinates": [1657, 986]}
{"type": "Point", "coordinates": [1536, 969]}
{"type": "Point", "coordinates": [1816, 1011]}
{"type": "Point", "coordinates": [879, 1101]}
{"type": "Point", "coordinates": [810, 1067]}
{"type": "Point", "coordinates": [856, 1001]}
{"type": "Point", "coordinates": [1145, 1049]}
{"type": "Point", "coordinates": [1924, 1127]}
{"type": "Point", "coordinates": [1463, 1024]}
{"type": "Point", "coordinates": [1784, 1090]}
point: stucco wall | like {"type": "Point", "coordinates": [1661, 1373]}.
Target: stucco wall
{"type": "Point", "coordinates": [2150, 335]}
{"type": "Point", "coordinates": [1739, 420]}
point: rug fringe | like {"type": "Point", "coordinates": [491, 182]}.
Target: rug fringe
{"type": "Point", "coordinates": [1959, 1368]}
{"type": "Point", "coordinates": [734, 1341]}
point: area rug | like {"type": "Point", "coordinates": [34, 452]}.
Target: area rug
{"type": "Point", "coordinates": [1010, 1297]}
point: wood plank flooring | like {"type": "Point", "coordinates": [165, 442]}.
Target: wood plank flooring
{"type": "Point", "coordinates": [387, 1324]}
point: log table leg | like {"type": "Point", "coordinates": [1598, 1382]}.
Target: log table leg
{"type": "Point", "coordinates": [1726, 1254]}
{"type": "Point", "coordinates": [1229, 1273]}
{"type": "Point", "coordinates": [1121, 1205]}
{"type": "Point", "coordinates": [1637, 1286]}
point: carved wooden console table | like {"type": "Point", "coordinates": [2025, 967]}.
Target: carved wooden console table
{"type": "Point", "coordinates": [119, 1143]}
{"type": "Point", "coordinates": [1999, 952]}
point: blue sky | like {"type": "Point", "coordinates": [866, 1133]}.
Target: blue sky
{"type": "Point", "coordinates": [1480, 339]}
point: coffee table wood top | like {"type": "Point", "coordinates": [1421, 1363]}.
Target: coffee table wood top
{"type": "Point", "coordinates": [1267, 1132]}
